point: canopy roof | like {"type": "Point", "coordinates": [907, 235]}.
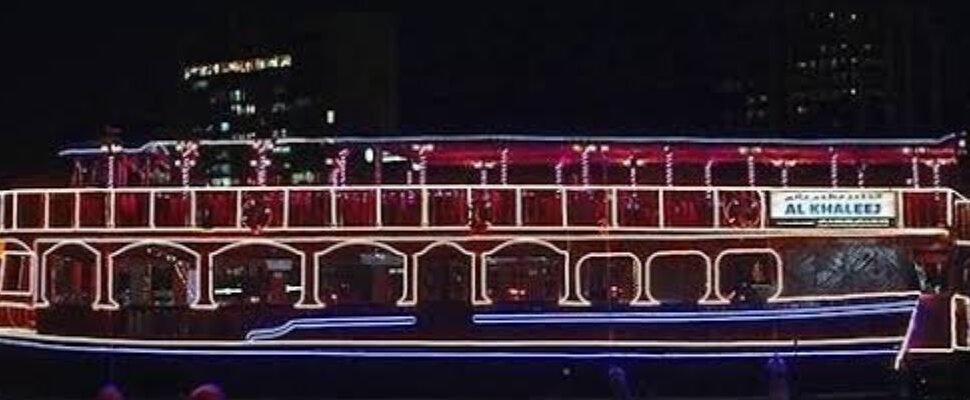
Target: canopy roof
{"type": "Point", "coordinates": [546, 149]}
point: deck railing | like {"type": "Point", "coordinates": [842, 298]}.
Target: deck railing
{"type": "Point", "coordinates": [429, 207]}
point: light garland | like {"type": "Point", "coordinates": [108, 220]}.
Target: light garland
{"type": "Point", "coordinates": [504, 167]}
{"type": "Point", "coordinates": [915, 171]}
{"type": "Point", "coordinates": [188, 152]}
{"type": "Point", "coordinates": [584, 164]}
{"type": "Point", "coordinates": [751, 170]}
{"type": "Point", "coordinates": [709, 173]}
{"type": "Point", "coordinates": [559, 171]}
{"type": "Point", "coordinates": [342, 166]}
{"type": "Point", "coordinates": [861, 175]}
{"type": "Point", "coordinates": [834, 167]}
{"type": "Point", "coordinates": [668, 166]}
{"type": "Point", "coordinates": [261, 160]}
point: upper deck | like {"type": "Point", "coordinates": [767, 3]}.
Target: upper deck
{"type": "Point", "coordinates": [498, 184]}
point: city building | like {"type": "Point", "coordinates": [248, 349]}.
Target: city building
{"type": "Point", "coordinates": [306, 74]}
{"type": "Point", "coordinates": [855, 67]}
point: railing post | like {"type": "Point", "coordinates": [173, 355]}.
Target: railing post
{"type": "Point", "coordinates": [286, 208]}
{"type": "Point", "coordinates": [151, 209]}
{"type": "Point", "coordinates": [563, 195]}
{"type": "Point", "coordinates": [949, 208]}
{"type": "Point", "coordinates": [76, 220]}
{"type": "Point", "coordinates": [763, 198]}
{"type": "Point", "coordinates": [13, 215]}
{"type": "Point", "coordinates": [661, 217]}
{"type": "Point", "coordinates": [424, 205]}
{"type": "Point", "coordinates": [470, 206]}
{"type": "Point", "coordinates": [614, 208]}
{"type": "Point", "coordinates": [333, 207]}
{"type": "Point", "coordinates": [379, 207]}
{"type": "Point", "coordinates": [3, 211]}
{"type": "Point", "coordinates": [716, 204]}
{"type": "Point", "coordinates": [47, 211]}
{"type": "Point", "coordinates": [192, 206]}
{"type": "Point", "coordinates": [900, 209]}
{"type": "Point", "coordinates": [518, 207]}
{"type": "Point", "coordinates": [111, 208]}
{"type": "Point", "coordinates": [239, 209]}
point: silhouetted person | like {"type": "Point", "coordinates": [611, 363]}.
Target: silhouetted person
{"type": "Point", "coordinates": [110, 392]}
{"type": "Point", "coordinates": [207, 392]}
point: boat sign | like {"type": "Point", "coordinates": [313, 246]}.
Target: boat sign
{"type": "Point", "coordinates": [832, 208]}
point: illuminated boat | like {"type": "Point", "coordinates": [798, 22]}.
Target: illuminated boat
{"type": "Point", "coordinates": [512, 247]}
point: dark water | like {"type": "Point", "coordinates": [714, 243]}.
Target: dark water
{"type": "Point", "coordinates": [31, 375]}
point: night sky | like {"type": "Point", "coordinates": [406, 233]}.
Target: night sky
{"type": "Point", "coordinates": [70, 70]}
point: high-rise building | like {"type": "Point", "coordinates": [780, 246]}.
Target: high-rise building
{"type": "Point", "coordinates": [243, 97]}
{"type": "Point", "coordinates": [836, 66]}
{"type": "Point", "coordinates": [307, 75]}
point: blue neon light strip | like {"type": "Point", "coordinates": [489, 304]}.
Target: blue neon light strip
{"type": "Point", "coordinates": [898, 307]}
{"type": "Point", "coordinates": [331, 322]}
{"type": "Point", "coordinates": [443, 354]}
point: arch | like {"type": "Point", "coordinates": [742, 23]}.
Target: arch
{"type": "Point", "coordinates": [483, 270]}
{"type": "Point", "coordinates": [779, 275]}
{"type": "Point", "coordinates": [17, 248]}
{"type": "Point", "coordinates": [301, 303]}
{"type": "Point", "coordinates": [401, 301]}
{"type": "Point", "coordinates": [42, 292]}
{"type": "Point", "coordinates": [637, 275]}
{"type": "Point", "coordinates": [19, 245]}
{"type": "Point", "coordinates": [113, 304]}
{"type": "Point", "coordinates": [648, 264]}
{"type": "Point", "coordinates": [414, 282]}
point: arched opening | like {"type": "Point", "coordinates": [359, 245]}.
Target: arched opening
{"type": "Point", "coordinates": [748, 276]}
{"type": "Point", "coordinates": [154, 275]}
{"type": "Point", "coordinates": [680, 278]}
{"type": "Point", "coordinates": [257, 275]}
{"type": "Point", "coordinates": [444, 274]}
{"type": "Point", "coordinates": [525, 274]}
{"type": "Point", "coordinates": [153, 283]}
{"type": "Point", "coordinates": [15, 269]}
{"type": "Point", "coordinates": [71, 275]}
{"type": "Point", "coordinates": [361, 275]}
{"type": "Point", "coordinates": [609, 281]}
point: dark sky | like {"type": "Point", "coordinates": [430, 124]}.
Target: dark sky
{"type": "Point", "coordinates": [69, 70]}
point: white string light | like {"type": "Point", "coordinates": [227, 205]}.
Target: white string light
{"type": "Point", "coordinates": [262, 161]}
{"type": "Point", "coordinates": [188, 153]}
{"type": "Point", "coordinates": [751, 170]}
{"type": "Point", "coordinates": [668, 166]}
{"type": "Point", "coordinates": [861, 175]}
{"type": "Point", "coordinates": [504, 167]}
{"type": "Point", "coordinates": [111, 170]}
{"type": "Point", "coordinates": [709, 173]}
{"type": "Point", "coordinates": [834, 167]}
{"type": "Point", "coordinates": [342, 166]}
{"type": "Point", "coordinates": [584, 163]}
{"type": "Point", "coordinates": [559, 171]}
{"type": "Point", "coordinates": [915, 171]}
{"type": "Point", "coordinates": [633, 172]}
